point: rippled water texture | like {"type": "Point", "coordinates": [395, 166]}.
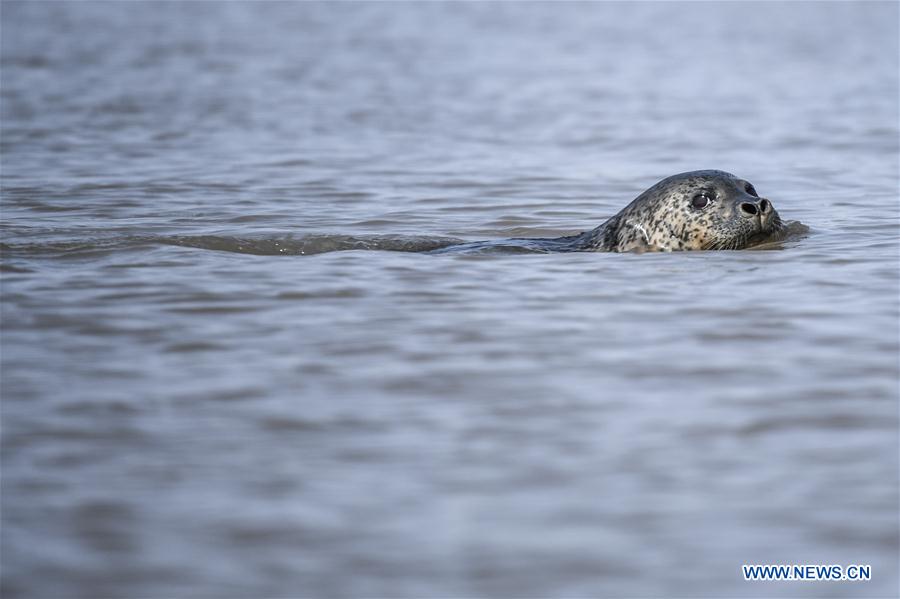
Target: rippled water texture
{"type": "Point", "coordinates": [191, 407]}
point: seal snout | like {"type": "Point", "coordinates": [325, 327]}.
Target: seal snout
{"type": "Point", "coordinates": [760, 208]}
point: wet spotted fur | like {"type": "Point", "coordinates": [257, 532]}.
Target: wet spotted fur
{"type": "Point", "coordinates": [668, 217]}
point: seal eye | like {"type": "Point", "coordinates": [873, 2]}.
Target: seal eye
{"type": "Point", "coordinates": [751, 190]}
{"type": "Point", "coordinates": [701, 200]}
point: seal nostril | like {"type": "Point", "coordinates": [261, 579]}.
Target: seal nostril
{"type": "Point", "coordinates": [749, 208]}
{"type": "Point", "coordinates": [763, 205]}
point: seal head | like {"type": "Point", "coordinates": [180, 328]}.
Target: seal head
{"type": "Point", "coordinates": [698, 210]}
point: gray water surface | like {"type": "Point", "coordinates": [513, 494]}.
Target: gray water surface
{"type": "Point", "coordinates": [232, 418]}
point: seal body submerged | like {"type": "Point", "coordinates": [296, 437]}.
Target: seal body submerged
{"type": "Point", "coordinates": [697, 210]}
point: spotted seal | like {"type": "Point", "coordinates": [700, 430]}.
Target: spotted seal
{"type": "Point", "coordinates": [697, 210]}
